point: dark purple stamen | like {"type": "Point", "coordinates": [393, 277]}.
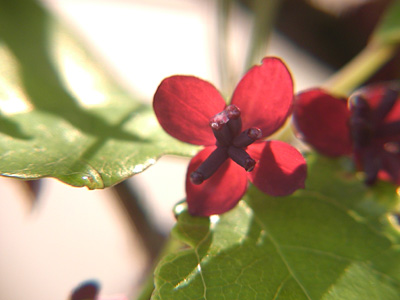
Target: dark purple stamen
{"type": "Point", "coordinates": [247, 137]}
{"type": "Point", "coordinates": [370, 135]}
{"type": "Point", "coordinates": [196, 177]}
{"type": "Point", "coordinates": [210, 165]}
{"type": "Point", "coordinates": [371, 164]}
{"type": "Point", "coordinates": [221, 131]}
{"type": "Point", "coordinates": [231, 142]}
{"type": "Point", "coordinates": [386, 104]}
{"type": "Point", "coordinates": [239, 156]}
{"type": "Point", "coordinates": [235, 121]}
{"type": "Point", "coordinates": [361, 125]}
{"type": "Point", "coordinates": [233, 112]}
{"type": "Point", "coordinates": [388, 130]}
{"type": "Point", "coordinates": [219, 120]}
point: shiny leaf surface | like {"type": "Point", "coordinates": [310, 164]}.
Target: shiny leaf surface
{"type": "Point", "coordinates": [334, 240]}
{"type": "Point", "coordinates": [61, 114]}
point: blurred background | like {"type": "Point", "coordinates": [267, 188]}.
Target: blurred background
{"type": "Point", "coordinates": [52, 240]}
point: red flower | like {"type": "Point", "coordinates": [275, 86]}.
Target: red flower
{"type": "Point", "coordinates": [193, 111]}
{"type": "Point", "coordinates": [366, 126]}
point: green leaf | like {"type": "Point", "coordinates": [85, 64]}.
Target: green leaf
{"type": "Point", "coordinates": [334, 240]}
{"type": "Point", "coordinates": [388, 30]}
{"type": "Point", "coordinates": [61, 114]}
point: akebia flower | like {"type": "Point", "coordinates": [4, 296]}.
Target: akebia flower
{"type": "Point", "coordinates": [193, 111]}
{"type": "Point", "coordinates": [367, 126]}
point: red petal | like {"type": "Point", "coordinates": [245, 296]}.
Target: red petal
{"type": "Point", "coordinates": [184, 106]}
{"type": "Point", "coordinates": [265, 95]}
{"type": "Point", "coordinates": [322, 121]}
{"type": "Point", "coordinates": [280, 168]}
{"type": "Point", "coordinates": [218, 194]}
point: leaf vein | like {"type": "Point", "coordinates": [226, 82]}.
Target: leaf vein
{"type": "Point", "coordinates": [278, 250]}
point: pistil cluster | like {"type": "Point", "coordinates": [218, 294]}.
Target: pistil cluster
{"type": "Point", "coordinates": [370, 134]}
{"type": "Point", "coordinates": [231, 143]}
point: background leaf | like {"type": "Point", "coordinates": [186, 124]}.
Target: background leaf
{"type": "Point", "coordinates": [334, 240]}
{"type": "Point", "coordinates": [61, 114]}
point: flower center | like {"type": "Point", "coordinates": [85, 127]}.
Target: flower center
{"type": "Point", "coordinates": [370, 134]}
{"type": "Point", "coordinates": [361, 125]}
{"type": "Point", "coordinates": [231, 143]}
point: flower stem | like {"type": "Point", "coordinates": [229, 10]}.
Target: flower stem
{"type": "Point", "coordinates": [360, 68]}
{"type": "Point", "coordinates": [151, 238]}
{"type": "Point", "coordinates": [223, 10]}
{"type": "Point", "coordinates": [264, 19]}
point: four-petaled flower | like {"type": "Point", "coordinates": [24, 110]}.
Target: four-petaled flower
{"type": "Point", "coordinates": [367, 126]}
{"type": "Point", "coordinates": [193, 111]}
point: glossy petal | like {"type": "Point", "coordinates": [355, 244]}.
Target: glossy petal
{"type": "Point", "coordinates": [265, 95]}
{"type": "Point", "coordinates": [322, 121]}
{"type": "Point", "coordinates": [280, 168]}
{"type": "Point", "coordinates": [218, 194]}
{"type": "Point", "coordinates": [184, 106]}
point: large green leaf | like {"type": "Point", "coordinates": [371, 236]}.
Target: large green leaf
{"type": "Point", "coordinates": [334, 240]}
{"type": "Point", "coordinates": [61, 114]}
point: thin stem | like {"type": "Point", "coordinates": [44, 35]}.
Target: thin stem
{"type": "Point", "coordinates": [360, 68]}
{"type": "Point", "coordinates": [152, 239]}
{"type": "Point", "coordinates": [223, 11]}
{"type": "Point", "coordinates": [264, 19]}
